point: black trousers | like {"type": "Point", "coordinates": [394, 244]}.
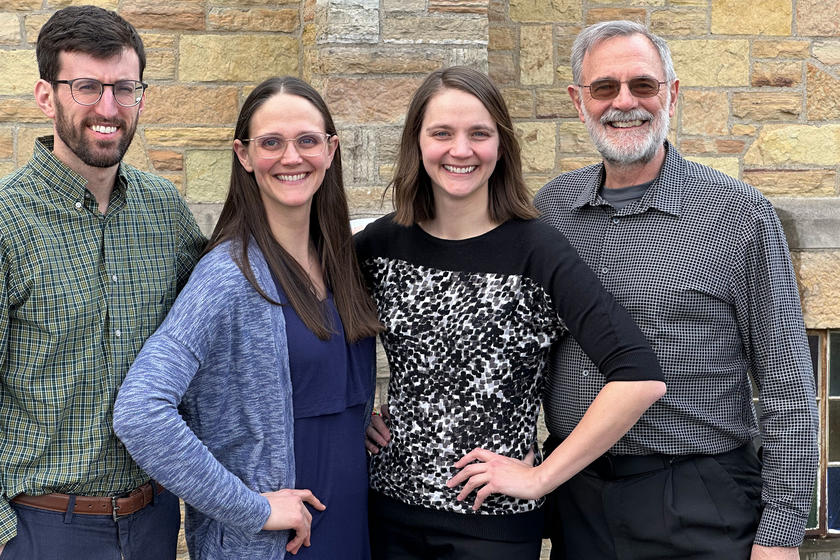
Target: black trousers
{"type": "Point", "coordinates": [700, 508]}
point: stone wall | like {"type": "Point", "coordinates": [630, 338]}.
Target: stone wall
{"type": "Point", "coordinates": [759, 95]}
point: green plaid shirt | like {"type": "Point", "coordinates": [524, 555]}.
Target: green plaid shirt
{"type": "Point", "coordinates": [79, 294]}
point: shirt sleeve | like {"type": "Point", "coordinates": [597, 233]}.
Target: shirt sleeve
{"type": "Point", "coordinates": [147, 420]}
{"type": "Point", "coordinates": [770, 322]}
{"type": "Point", "coordinates": [8, 518]}
{"type": "Point", "coordinates": [599, 324]}
{"type": "Point", "coordinates": [191, 243]}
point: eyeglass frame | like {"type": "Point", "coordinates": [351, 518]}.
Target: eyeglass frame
{"type": "Point", "coordinates": [654, 94]}
{"type": "Point", "coordinates": [102, 85]}
{"type": "Point", "coordinates": [286, 141]}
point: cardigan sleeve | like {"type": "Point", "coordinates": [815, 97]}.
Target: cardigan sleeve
{"type": "Point", "coordinates": [146, 416]}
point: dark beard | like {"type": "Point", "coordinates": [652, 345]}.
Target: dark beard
{"type": "Point", "coordinates": [74, 139]}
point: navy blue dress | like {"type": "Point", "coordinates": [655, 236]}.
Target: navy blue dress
{"type": "Point", "coordinates": [331, 383]}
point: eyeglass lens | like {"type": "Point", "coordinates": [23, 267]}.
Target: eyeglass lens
{"type": "Point", "coordinates": [88, 91]}
{"type": "Point", "coordinates": [308, 144]}
{"type": "Point", "coordinates": [609, 88]}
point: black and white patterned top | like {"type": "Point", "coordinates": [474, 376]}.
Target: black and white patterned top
{"type": "Point", "coordinates": [468, 327]}
{"type": "Point", "coordinates": [702, 265]}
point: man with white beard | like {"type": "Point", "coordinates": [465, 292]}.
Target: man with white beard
{"type": "Point", "coordinates": [700, 261]}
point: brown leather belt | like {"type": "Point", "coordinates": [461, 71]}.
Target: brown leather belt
{"type": "Point", "coordinates": [115, 506]}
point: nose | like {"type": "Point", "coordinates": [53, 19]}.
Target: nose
{"type": "Point", "coordinates": [461, 146]}
{"type": "Point", "coordinates": [290, 154]}
{"type": "Point", "coordinates": [107, 105]}
{"type": "Point", "coordinates": [625, 100]}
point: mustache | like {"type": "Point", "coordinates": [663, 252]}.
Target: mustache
{"type": "Point", "coordinates": [614, 115]}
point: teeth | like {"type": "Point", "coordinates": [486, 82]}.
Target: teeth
{"type": "Point", "coordinates": [626, 124]}
{"type": "Point", "coordinates": [104, 129]}
{"type": "Point", "coordinates": [463, 170]}
{"type": "Point", "coordinates": [297, 177]}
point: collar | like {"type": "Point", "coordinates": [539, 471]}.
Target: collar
{"type": "Point", "coordinates": [664, 194]}
{"type": "Point", "coordinates": [64, 180]}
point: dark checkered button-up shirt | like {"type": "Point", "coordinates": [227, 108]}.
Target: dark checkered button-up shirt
{"type": "Point", "coordinates": [79, 294]}
{"type": "Point", "coordinates": [702, 265]}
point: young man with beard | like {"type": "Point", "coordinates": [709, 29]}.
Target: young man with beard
{"type": "Point", "coordinates": [700, 261]}
{"type": "Point", "coordinates": [93, 253]}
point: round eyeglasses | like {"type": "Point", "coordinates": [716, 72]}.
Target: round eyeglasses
{"type": "Point", "coordinates": [88, 91]}
{"type": "Point", "coordinates": [609, 88]}
{"type": "Point", "coordinates": [274, 145]}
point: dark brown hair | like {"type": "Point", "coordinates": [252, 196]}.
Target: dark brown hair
{"type": "Point", "coordinates": [86, 29]}
{"type": "Point", "coordinates": [413, 199]}
{"type": "Point", "coordinates": [243, 217]}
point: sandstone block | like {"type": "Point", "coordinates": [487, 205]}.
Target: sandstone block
{"type": "Point", "coordinates": [698, 3]}
{"type": "Point", "coordinates": [185, 15]}
{"type": "Point", "coordinates": [160, 65]}
{"type": "Point", "coordinates": [26, 142]}
{"type": "Point", "coordinates": [106, 4]}
{"type": "Point", "coordinates": [355, 21]}
{"type": "Point", "coordinates": [766, 106]}
{"type": "Point", "coordinates": [647, 2]}
{"type": "Point", "coordinates": [545, 11]}
{"type": "Point", "coordinates": [538, 143]}
{"type": "Point", "coordinates": [9, 29]}
{"type": "Point", "coordinates": [691, 145]}
{"type": "Point", "coordinates": [792, 182]}
{"type": "Point", "coordinates": [501, 68]}
{"type": "Point", "coordinates": [818, 17]}
{"type": "Point", "coordinates": [252, 19]}
{"type": "Point", "coordinates": [239, 3]}
{"type": "Point", "coordinates": [729, 146]}
{"type": "Point", "coordinates": [763, 17]}
{"type": "Point", "coordinates": [520, 102]}
{"type": "Point", "coordinates": [379, 60]}
{"type": "Point", "coordinates": [166, 160]}
{"type": "Point", "coordinates": [158, 40]}
{"type": "Point", "coordinates": [369, 100]}
{"type": "Point", "coordinates": [819, 290]}
{"type": "Point", "coordinates": [704, 112]}
{"type": "Point", "coordinates": [594, 15]}
{"type": "Point", "coordinates": [474, 56]}
{"type": "Point", "coordinates": [32, 24]}
{"type": "Point", "coordinates": [776, 74]}
{"type": "Point", "coordinates": [711, 63]}
{"type": "Point", "coordinates": [535, 182]}
{"type": "Point", "coordinates": [573, 138]}
{"type": "Point", "coordinates": [7, 167]}
{"type": "Point", "coordinates": [555, 103]}
{"type": "Point", "coordinates": [388, 141]}
{"type": "Point", "coordinates": [501, 38]}
{"type": "Point", "coordinates": [209, 137]}
{"type": "Point", "coordinates": [208, 175]}
{"type": "Point", "coordinates": [827, 52]}
{"type": "Point", "coordinates": [404, 5]}
{"type": "Point", "coordinates": [823, 95]}
{"type": "Point", "coordinates": [180, 105]}
{"type": "Point", "coordinates": [18, 110]}
{"type": "Point", "coordinates": [789, 48]}
{"type": "Point", "coordinates": [740, 129]}
{"type": "Point", "coordinates": [7, 143]}
{"type": "Point", "coordinates": [358, 155]}
{"type": "Point", "coordinates": [367, 201]}
{"type": "Point", "coordinates": [22, 5]}
{"type": "Point", "coordinates": [795, 144]}
{"type": "Point", "coordinates": [536, 60]}
{"type": "Point", "coordinates": [136, 154]}
{"type": "Point", "coordinates": [673, 22]}
{"type": "Point", "coordinates": [458, 6]}
{"type": "Point", "coordinates": [436, 29]}
{"type": "Point", "coordinates": [570, 164]}
{"type": "Point", "coordinates": [729, 165]}
{"type": "Point", "coordinates": [239, 58]}
{"type": "Point", "coordinates": [19, 70]}
{"type": "Point", "coordinates": [177, 179]}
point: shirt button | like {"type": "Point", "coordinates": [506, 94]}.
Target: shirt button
{"type": "Point", "coordinates": [117, 333]}
{"type": "Point", "coordinates": [615, 220]}
{"type": "Point", "coordinates": [605, 270]}
{"type": "Point", "coordinates": [585, 372]}
{"type": "Point", "coordinates": [78, 205]}
{"type": "Point", "coordinates": [114, 277]}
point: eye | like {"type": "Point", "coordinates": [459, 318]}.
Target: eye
{"type": "Point", "coordinates": [603, 88]}
{"type": "Point", "coordinates": [125, 88]}
{"type": "Point", "coordinates": [308, 141]}
{"type": "Point", "coordinates": [481, 134]}
{"type": "Point", "coordinates": [270, 142]}
{"type": "Point", "coordinates": [440, 134]}
{"type": "Point", "coordinates": [86, 86]}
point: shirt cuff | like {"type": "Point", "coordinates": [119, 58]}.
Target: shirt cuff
{"type": "Point", "coordinates": [8, 522]}
{"type": "Point", "coordinates": [779, 527]}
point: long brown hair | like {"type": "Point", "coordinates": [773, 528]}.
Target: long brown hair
{"type": "Point", "coordinates": [412, 196]}
{"type": "Point", "coordinates": [243, 217]}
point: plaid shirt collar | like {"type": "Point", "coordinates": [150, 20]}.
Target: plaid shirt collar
{"type": "Point", "coordinates": [664, 194]}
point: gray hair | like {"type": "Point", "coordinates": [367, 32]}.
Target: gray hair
{"type": "Point", "coordinates": [604, 30]}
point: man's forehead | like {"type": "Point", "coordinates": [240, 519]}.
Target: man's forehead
{"type": "Point", "coordinates": [623, 52]}
{"type": "Point", "coordinates": [125, 60]}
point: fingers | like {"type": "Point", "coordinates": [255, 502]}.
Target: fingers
{"type": "Point", "coordinates": [308, 497]}
{"type": "Point", "coordinates": [383, 410]}
{"type": "Point", "coordinates": [477, 454]}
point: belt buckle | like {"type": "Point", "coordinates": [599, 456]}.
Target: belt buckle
{"type": "Point", "coordinates": [114, 508]}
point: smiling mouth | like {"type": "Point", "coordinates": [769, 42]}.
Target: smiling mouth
{"type": "Point", "coordinates": [626, 124]}
{"type": "Point", "coordinates": [291, 178]}
{"type": "Point", "coordinates": [102, 129]}
{"type": "Point", "coordinates": [460, 170]}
